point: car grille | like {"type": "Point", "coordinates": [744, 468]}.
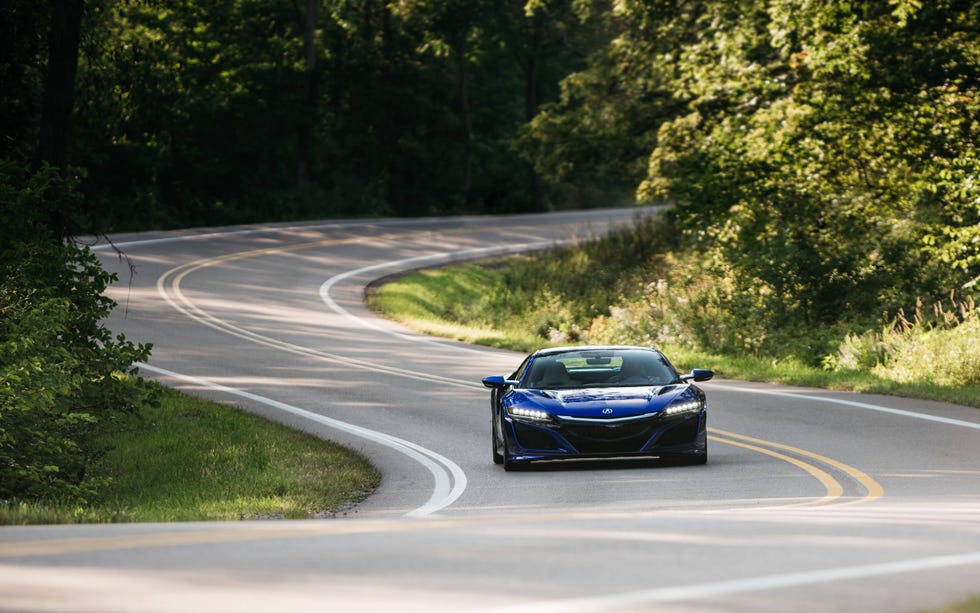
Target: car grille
{"type": "Point", "coordinates": [621, 437]}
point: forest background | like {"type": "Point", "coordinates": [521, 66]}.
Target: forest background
{"type": "Point", "coordinates": [820, 158]}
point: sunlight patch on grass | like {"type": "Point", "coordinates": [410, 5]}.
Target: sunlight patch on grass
{"type": "Point", "coordinates": [193, 460]}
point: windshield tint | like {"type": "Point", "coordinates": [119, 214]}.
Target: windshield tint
{"type": "Point", "coordinates": [600, 368]}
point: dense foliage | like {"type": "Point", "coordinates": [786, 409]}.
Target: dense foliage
{"type": "Point", "coordinates": [59, 366]}
{"type": "Point", "coordinates": [822, 156]}
{"type": "Point", "coordinates": [205, 112]}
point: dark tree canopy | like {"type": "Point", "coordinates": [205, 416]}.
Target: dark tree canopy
{"type": "Point", "coordinates": [826, 151]}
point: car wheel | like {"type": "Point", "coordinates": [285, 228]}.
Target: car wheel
{"type": "Point", "coordinates": [498, 458]}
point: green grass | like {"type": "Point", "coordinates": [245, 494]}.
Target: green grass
{"type": "Point", "coordinates": [193, 460]}
{"type": "Point", "coordinates": [968, 606]}
{"type": "Point", "coordinates": [518, 302]}
{"type": "Point", "coordinates": [456, 302]}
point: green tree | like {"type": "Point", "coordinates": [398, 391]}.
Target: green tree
{"type": "Point", "coordinates": [821, 156]}
{"type": "Point", "coordinates": [552, 39]}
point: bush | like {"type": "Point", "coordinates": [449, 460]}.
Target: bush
{"type": "Point", "coordinates": [694, 302]}
{"type": "Point", "coordinates": [61, 371]}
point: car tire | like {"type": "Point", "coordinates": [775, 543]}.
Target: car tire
{"type": "Point", "coordinates": [498, 458]}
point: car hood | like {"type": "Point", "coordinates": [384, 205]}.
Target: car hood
{"type": "Point", "coordinates": [595, 402]}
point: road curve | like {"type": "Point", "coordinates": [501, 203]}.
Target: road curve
{"type": "Point", "coordinates": [811, 500]}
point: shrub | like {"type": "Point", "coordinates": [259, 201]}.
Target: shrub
{"type": "Point", "coordinates": [61, 370]}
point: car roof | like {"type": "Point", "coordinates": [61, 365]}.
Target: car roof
{"type": "Point", "coordinates": [557, 350]}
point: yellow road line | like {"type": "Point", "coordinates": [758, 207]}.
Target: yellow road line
{"type": "Point", "coordinates": [834, 489]}
{"type": "Point", "coordinates": [874, 489]}
{"type": "Point", "coordinates": [263, 531]}
{"type": "Point", "coordinates": [182, 304]}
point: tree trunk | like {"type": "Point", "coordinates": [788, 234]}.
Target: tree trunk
{"type": "Point", "coordinates": [304, 145]}
{"type": "Point", "coordinates": [464, 103]}
{"type": "Point", "coordinates": [59, 90]}
{"type": "Point", "coordinates": [531, 103]}
{"type": "Point", "coordinates": [399, 176]}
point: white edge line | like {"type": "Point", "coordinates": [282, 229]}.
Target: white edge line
{"type": "Point", "coordinates": [860, 405]}
{"type": "Point", "coordinates": [726, 588]}
{"type": "Point", "coordinates": [440, 499]}
{"type": "Point", "coordinates": [450, 480]}
{"type": "Point", "coordinates": [421, 260]}
{"type": "Point", "coordinates": [447, 488]}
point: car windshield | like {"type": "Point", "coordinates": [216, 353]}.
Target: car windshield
{"type": "Point", "coordinates": [600, 368]}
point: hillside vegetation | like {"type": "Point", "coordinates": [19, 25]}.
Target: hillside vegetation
{"type": "Point", "coordinates": [631, 288]}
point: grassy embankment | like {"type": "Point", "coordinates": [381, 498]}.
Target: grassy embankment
{"type": "Point", "coordinates": [189, 459]}
{"type": "Point", "coordinates": [629, 288]}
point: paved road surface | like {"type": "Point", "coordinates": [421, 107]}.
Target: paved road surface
{"type": "Point", "coordinates": [811, 500]}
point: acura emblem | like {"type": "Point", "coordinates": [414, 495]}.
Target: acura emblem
{"type": "Point", "coordinates": [607, 411]}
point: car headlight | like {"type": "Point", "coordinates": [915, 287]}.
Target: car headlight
{"type": "Point", "coordinates": [528, 414]}
{"type": "Point", "coordinates": [683, 407]}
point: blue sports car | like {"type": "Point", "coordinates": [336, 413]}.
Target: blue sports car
{"type": "Point", "coordinates": [597, 402]}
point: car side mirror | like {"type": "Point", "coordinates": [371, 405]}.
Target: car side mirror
{"type": "Point", "coordinates": [497, 382]}
{"type": "Point", "coordinates": [699, 374]}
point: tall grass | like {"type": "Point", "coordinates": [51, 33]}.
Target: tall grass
{"type": "Point", "coordinates": [940, 346]}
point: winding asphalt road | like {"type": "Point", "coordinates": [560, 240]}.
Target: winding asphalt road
{"type": "Point", "coordinates": [811, 500]}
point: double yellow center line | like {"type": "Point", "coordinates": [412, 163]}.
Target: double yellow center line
{"type": "Point", "coordinates": [793, 455]}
